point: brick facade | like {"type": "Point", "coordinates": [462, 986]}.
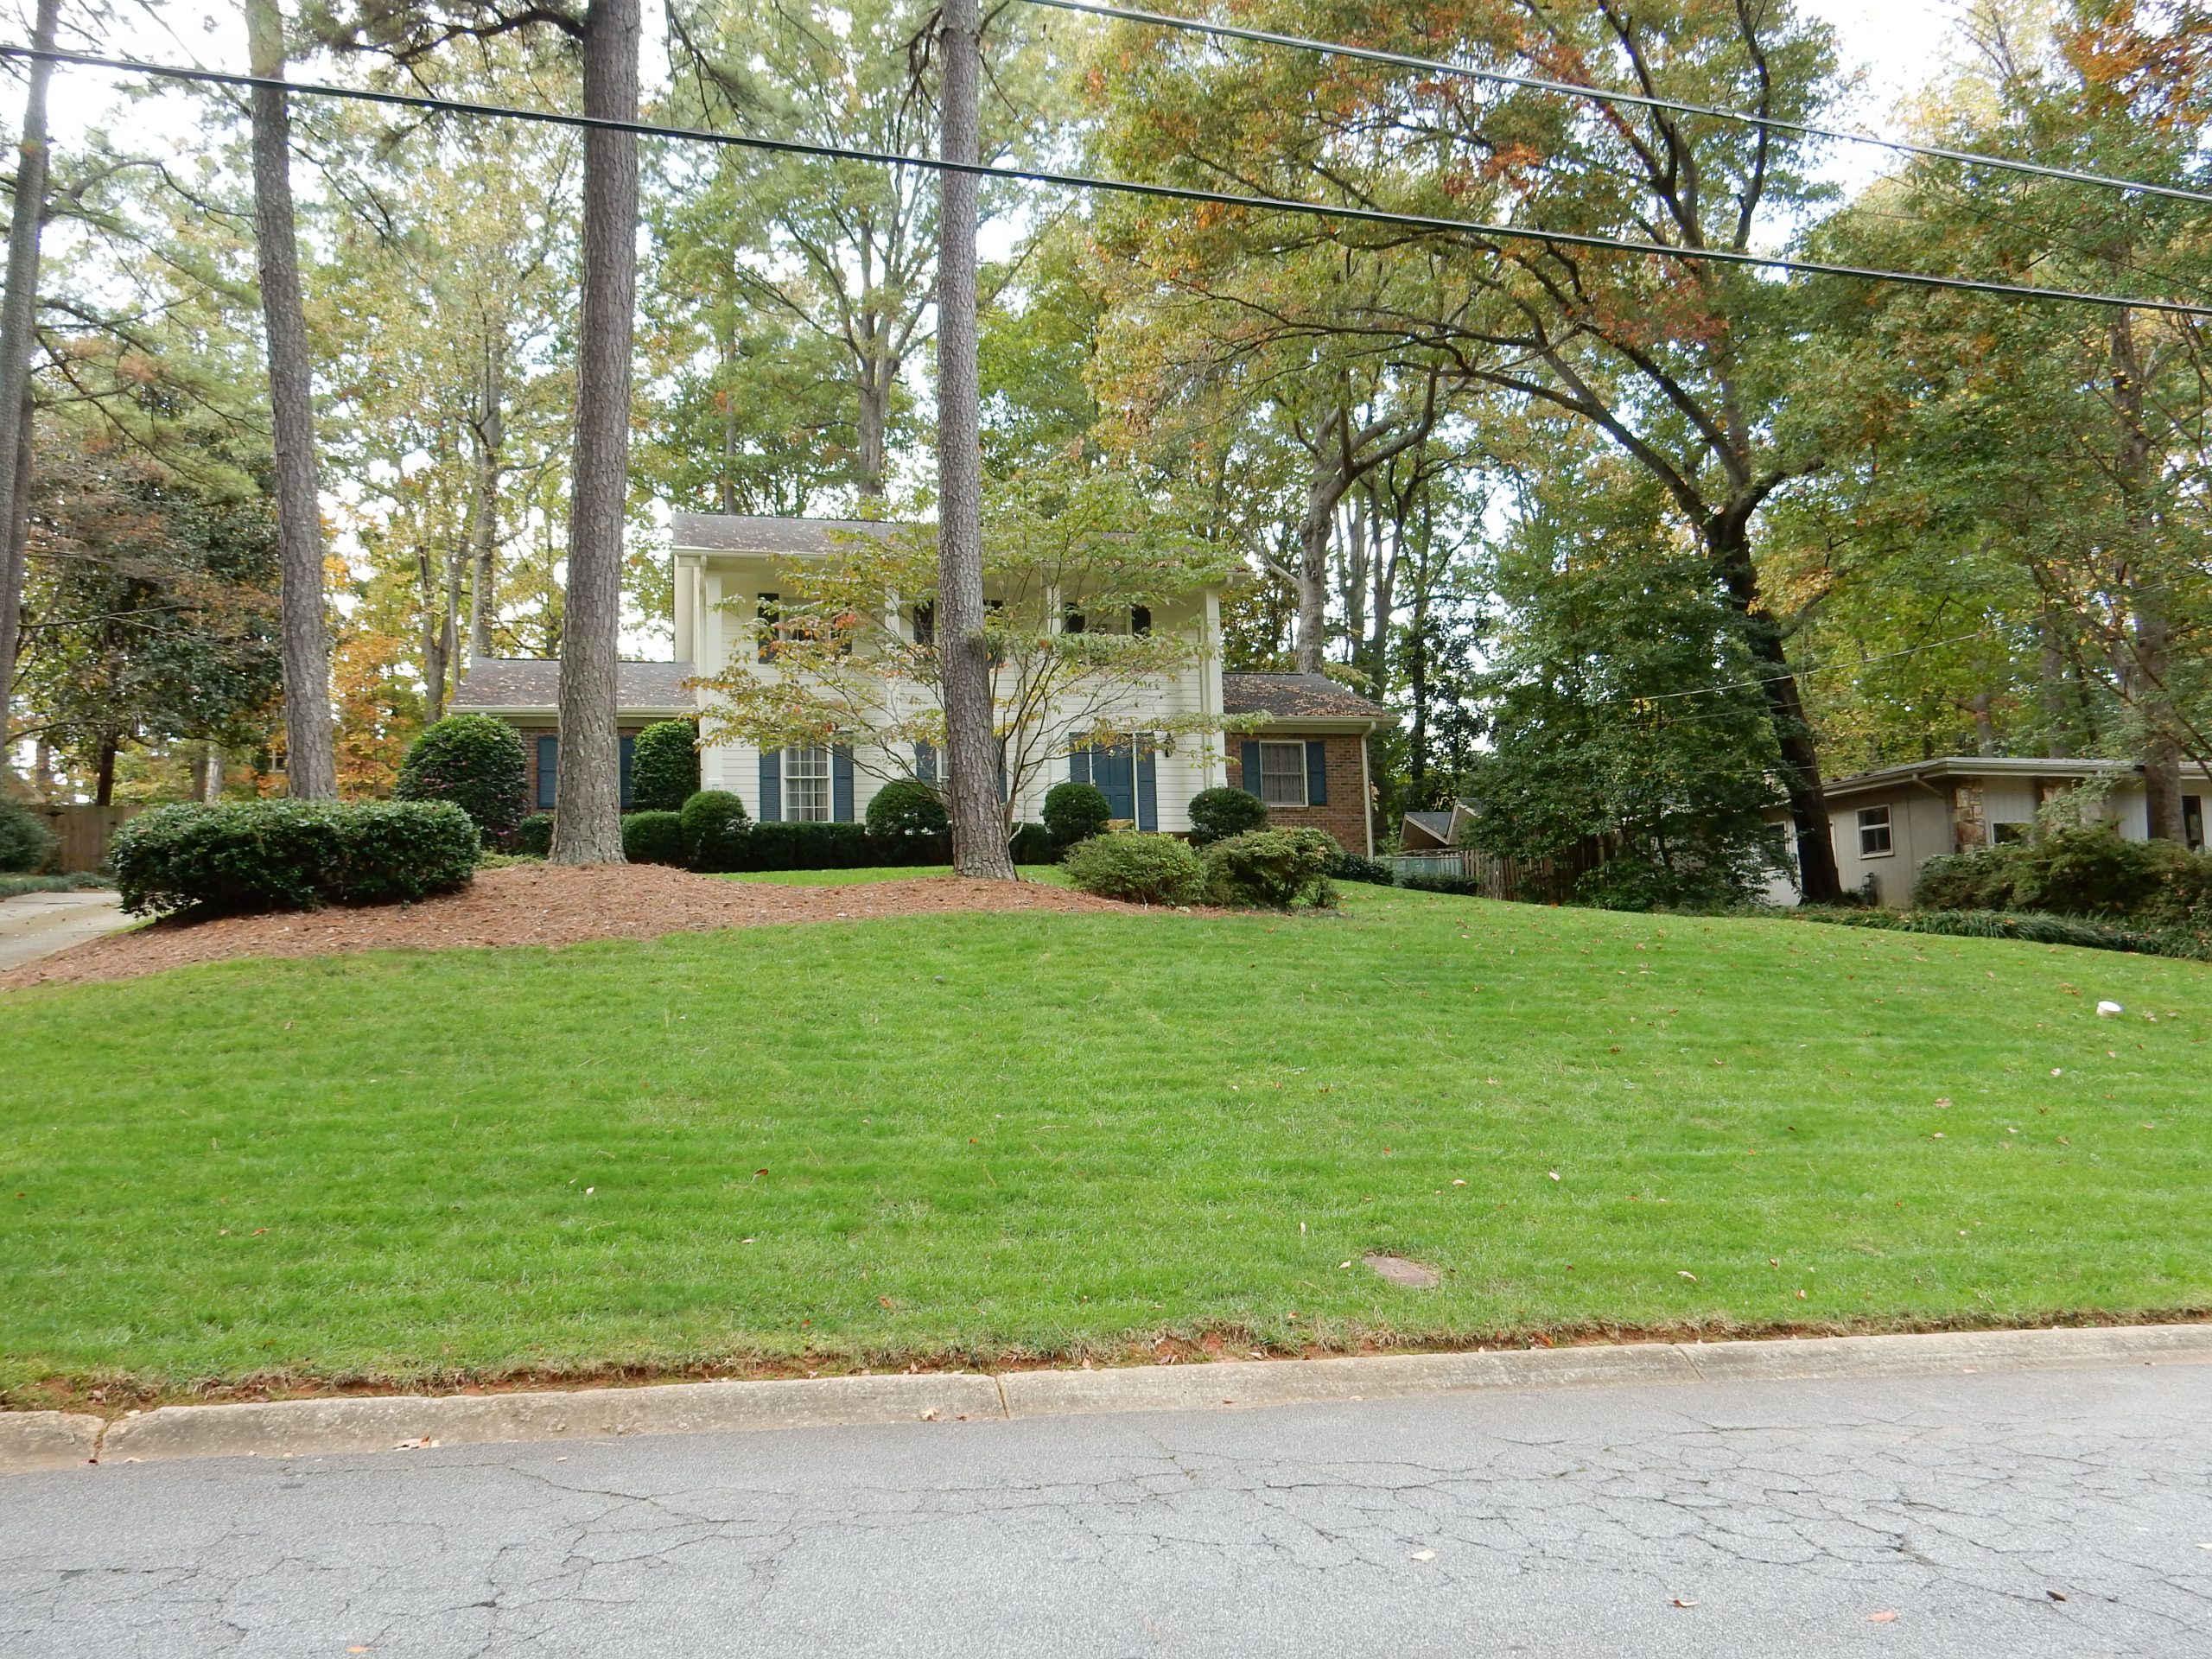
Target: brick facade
{"type": "Point", "coordinates": [1345, 816]}
{"type": "Point", "coordinates": [530, 734]}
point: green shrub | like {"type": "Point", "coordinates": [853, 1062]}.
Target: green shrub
{"type": "Point", "coordinates": [714, 830]}
{"type": "Point", "coordinates": [2089, 873]}
{"type": "Point", "coordinates": [1350, 866]}
{"type": "Point", "coordinates": [26, 844]}
{"type": "Point", "coordinates": [1274, 868]}
{"type": "Point", "coordinates": [477, 763]}
{"type": "Point", "coordinates": [1980, 879]}
{"type": "Point", "coordinates": [533, 836]}
{"type": "Point", "coordinates": [2185, 900]}
{"type": "Point", "coordinates": [1141, 868]}
{"type": "Point", "coordinates": [905, 808]}
{"type": "Point", "coordinates": [242, 856]}
{"type": "Point", "coordinates": [1461, 887]}
{"type": "Point", "coordinates": [809, 847]}
{"type": "Point", "coordinates": [1217, 814]}
{"type": "Point", "coordinates": [1031, 843]}
{"type": "Point", "coordinates": [2029, 926]}
{"type": "Point", "coordinates": [664, 767]}
{"type": "Point", "coordinates": [1075, 812]}
{"type": "Point", "coordinates": [652, 837]}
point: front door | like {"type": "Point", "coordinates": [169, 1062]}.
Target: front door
{"type": "Point", "coordinates": [1113, 769]}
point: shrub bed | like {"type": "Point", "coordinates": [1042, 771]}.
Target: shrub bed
{"type": "Point", "coordinates": [1272, 868]}
{"type": "Point", "coordinates": [280, 854]}
{"type": "Point", "coordinates": [2092, 873]}
{"type": "Point", "coordinates": [654, 837]}
{"type": "Point", "coordinates": [477, 763]}
{"type": "Point", "coordinates": [1350, 866]}
{"type": "Point", "coordinates": [1145, 869]}
{"type": "Point", "coordinates": [2029, 927]}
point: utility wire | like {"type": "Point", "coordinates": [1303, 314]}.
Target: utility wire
{"type": "Point", "coordinates": [1600, 94]}
{"type": "Point", "coordinates": [1126, 187]}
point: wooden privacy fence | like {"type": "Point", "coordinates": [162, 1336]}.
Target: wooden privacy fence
{"type": "Point", "coordinates": [84, 832]}
{"type": "Point", "coordinates": [1534, 878]}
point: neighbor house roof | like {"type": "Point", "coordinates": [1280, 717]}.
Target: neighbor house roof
{"type": "Point", "coordinates": [529, 686]}
{"type": "Point", "coordinates": [1969, 766]}
{"type": "Point", "coordinates": [722, 532]}
{"type": "Point", "coordinates": [1296, 697]}
{"type": "Point", "coordinates": [1435, 825]}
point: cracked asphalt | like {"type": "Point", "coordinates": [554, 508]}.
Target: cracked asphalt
{"type": "Point", "coordinates": [1716, 1520]}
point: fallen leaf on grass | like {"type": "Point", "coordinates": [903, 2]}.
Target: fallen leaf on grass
{"type": "Point", "coordinates": [1881, 1618]}
{"type": "Point", "coordinates": [1684, 1273]}
{"type": "Point", "coordinates": [1424, 1554]}
{"type": "Point", "coordinates": [1683, 1602]}
{"type": "Point", "coordinates": [1553, 1173]}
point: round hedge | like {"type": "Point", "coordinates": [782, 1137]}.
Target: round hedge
{"type": "Point", "coordinates": [664, 767]}
{"type": "Point", "coordinates": [714, 825]}
{"type": "Point", "coordinates": [25, 843]}
{"type": "Point", "coordinates": [652, 837]}
{"type": "Point", "coordinates": [477, 763]}
{"type": "Point", "coordinates": [236, 857]}
{"type": "Point", "coordinates": [533, 836]}
{"type": "Point", "coordinates": [905, 808]}
{"type": "Point", "coordinates": [1144, 869]}
{"type": "Point", "coordinates": [1075, 812]}
{"type": "Point", "coordinates": [1217, 814]}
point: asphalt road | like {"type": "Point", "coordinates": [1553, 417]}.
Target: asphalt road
{"type": "Point", "coordinates": [1914, 1517]}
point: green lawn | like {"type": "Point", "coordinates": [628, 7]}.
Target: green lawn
{"type": "Point", "coordinates": [1047, 873]}
{"type": "Point", "coordinates": [977, 1136]}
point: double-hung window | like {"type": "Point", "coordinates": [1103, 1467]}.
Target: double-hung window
{"type": "Point", "coordinates": [1282, 774]}
{"type": "Point", "coordinates": [806, 785]}
{"type": "Point", "coordinates": [1874, 832]}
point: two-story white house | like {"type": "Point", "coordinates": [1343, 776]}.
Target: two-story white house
{"type": "Point", "coordinates": [1301, 745]}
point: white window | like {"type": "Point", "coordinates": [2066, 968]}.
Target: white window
{"type": "Point", "coordinates": [806, 785]}
{"type": "Point", "coordinates": [1282, 774]}
{"type": "Point", "coordinates": [1874, 832]}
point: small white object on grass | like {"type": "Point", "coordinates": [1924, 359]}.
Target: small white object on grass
{"type": "Point", "coordinates": [2109, 1010]}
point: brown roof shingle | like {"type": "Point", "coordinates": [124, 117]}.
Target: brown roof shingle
{"type": "Point", "coordinates": [510, 682]}
{"type": "Point", "coordinates": [1295, 696]}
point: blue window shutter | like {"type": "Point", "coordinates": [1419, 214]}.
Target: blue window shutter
{"type": "Point", "coordinates": [1316, 773]}
{"type": "Point", "coordinates": [629, 744]}
{"type": "Point", "coordinates": [1148, 788]}
{"type": "Point", "coordinates": [1079, 766]}
{"type": "Point", "coordinates": [926, 762]}
{"type": "Point", "coordinates": [1251, 772]}
{"type": "Point", "coordinates": [549, 769]}
{"type": "Point", "coordinates": [841, 784]}
{"type": "Point", "coordinates": [772, 786]}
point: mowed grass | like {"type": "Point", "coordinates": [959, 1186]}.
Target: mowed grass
{"type": "Point", "coordinates": [978, 1136]}
{"type": "Point", "coordinates": [1050, 874]}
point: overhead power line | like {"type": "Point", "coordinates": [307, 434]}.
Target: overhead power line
{"type": "Point", "coordinates": [1459, 227]}
{"type": "Point", "coordinates": [1603, 95]}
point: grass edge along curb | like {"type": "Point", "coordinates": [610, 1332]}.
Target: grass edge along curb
{"type": "Point", "coordinates": [35, 1442]}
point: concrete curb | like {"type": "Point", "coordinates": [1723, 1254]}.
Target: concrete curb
{"type": "Point", "coordinates": [34, 1440]}
{"type": "Point", "coordinates": [37, 1441]}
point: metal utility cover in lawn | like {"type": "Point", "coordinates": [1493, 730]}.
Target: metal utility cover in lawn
{"type": "Point", "coordinates": [1399, 1271]}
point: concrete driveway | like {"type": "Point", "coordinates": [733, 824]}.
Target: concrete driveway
{"type": "Point", "coordinates": [35, 924]}
{"type": "Point", "coordinates": [2011, 1516]}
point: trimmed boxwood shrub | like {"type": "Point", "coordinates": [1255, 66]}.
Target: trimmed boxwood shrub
{"type": "Point", "coordinates": [533, 836]}
{"type": "Point", "coordinates": [809, 847]}
{"type": "Point", "coordinates": [25, 843]}
{"type": "Point", "coordinates": [664, 767]}
{"type": "Point", "coordinates": [1350, 866]}
{"type": "Point", "coordinates": [906, 807]}
{"type": "Point", "coordinates": [714, 832]}
{"type": "Point", "coordinates": [1275, 868]}
{"type": "Point", "coordinates": [477, 763]}
{"type": "Point", "coordinates": [1031, 843]}
{"type": "Point", "coordinates": [240, 857]}
{"type": "Point", "coordinates": [1076, 812]}
{"type": "Point", "coordinates": [1144, 869]}
{"type": "Point", "coordinates": [1217, 814]}
{"type": "Point", "coordinates": [652, 837]}
{"type": "Point", "coordinates": [1462, 886]}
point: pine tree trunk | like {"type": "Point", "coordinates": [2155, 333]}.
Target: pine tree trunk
{"type": "Point", "coordinates": [311, 756]}
{"type": "Point", "coordinates": [588, 810]}
{"type": "Point", "coordinates": [489, 431]}
{"type": "Point", "coordinates": [979, 840]}
{"type": "Point", "coordinates": [18, 330]}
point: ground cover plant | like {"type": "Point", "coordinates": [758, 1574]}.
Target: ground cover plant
{"type": "Point", "coordinates": [973, 1136]}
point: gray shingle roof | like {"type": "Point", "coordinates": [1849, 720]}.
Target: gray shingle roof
{"type": "Point", "coordinates": [1439, 824]}
{"type": "Point", "coordinates": [1295, 696]}
{"type": "Point", "coordinates": [720, 533]}
{"type": "Point", "coordinates": [517, 683]}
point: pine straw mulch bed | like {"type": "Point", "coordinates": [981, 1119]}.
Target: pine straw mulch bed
{"type": "Point", "coordinates": [539, 904]}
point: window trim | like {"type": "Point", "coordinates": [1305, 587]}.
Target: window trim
{"type": "Point", "coordinates": [789, 774]}
{"type": "Point", "coordinates": [1887, 827]}
{"type": "Point", "coordinates": [1304, 781]}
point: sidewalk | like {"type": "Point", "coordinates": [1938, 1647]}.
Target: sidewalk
{"type": "Point", "coordinates": [37, 925]}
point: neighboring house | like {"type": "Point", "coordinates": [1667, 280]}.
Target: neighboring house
{"type": "Point", "coordinates": [1308, 760]}
{"type": "Point", "coordinates": [1434, 832]}
{"type": "Point", "coordinates": [1888, 822]}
